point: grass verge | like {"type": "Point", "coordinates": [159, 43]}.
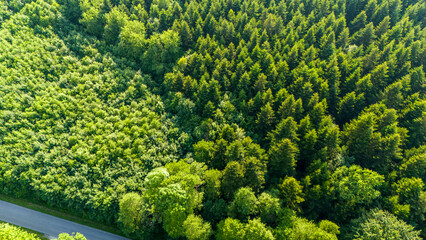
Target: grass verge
{"type": "Point", "coordinates": [59, 213]}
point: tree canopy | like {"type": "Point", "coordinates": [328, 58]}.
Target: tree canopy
{"type": "Point", "coordinates": [226, 119]}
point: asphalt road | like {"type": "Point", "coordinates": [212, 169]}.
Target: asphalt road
{"type": "Point", "coordinates": [49, 225]}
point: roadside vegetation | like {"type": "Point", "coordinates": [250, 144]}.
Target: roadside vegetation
{"type": "Point", "coordinates": [10, 232]}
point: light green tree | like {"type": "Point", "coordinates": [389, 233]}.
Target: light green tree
{"type": "Point", "coordinates": [291, 193]}
{"type": "Point", "coordinates": [256, 230]}
{"type": "Point", "coordinates": [230, 229]}
{"type": "Point", "coordinates": [301, 228]}
{"type": "Point", "coordinates": [66, 236]}
{"type": "Point", "coordinates": [269, 209]}
{"type": "Point", "coordinates": [354, 189]}
{"type": "Point", "coordinates": [282, 158]}
{"type": "Point", "coordinates": [196, 229]}
{"type": "Point", "coordinates": [379, 224]}
{"type": "Point", "coordinates": [173, 207]}
{"type": "Point", "coordinates": [115, 20]}
{"type": "Point", "coordinates": [244, 204]}
{"type": "Point", "coordinates": [129, 214]}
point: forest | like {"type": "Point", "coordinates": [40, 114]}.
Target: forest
{"type": "Point", "coordinates": [218, 119]}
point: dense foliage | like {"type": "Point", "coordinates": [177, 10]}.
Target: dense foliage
{"type": "Point", "coordinates": [10, 232]}
{"type": "Point", "coordinates": [225, 119]}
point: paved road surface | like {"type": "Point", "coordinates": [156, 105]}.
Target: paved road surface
{"type": "Point", "coordinates": [49, 225]}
